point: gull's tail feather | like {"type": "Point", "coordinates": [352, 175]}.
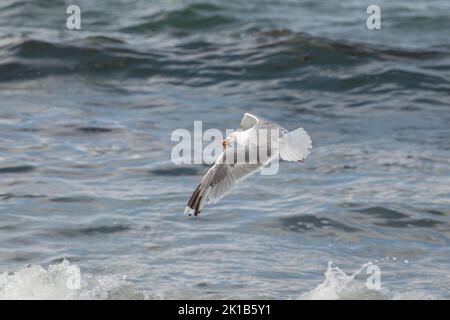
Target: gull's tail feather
{"type": "Point", "coordinates": [295, 145]}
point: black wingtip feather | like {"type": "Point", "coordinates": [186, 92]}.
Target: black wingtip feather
{"type": "Point", "coordinates": [195, 200]}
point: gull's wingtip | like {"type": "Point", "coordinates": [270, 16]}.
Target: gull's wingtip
{"type": "Point", "coordinates": [189, 211]}
{"type": "Point", "coordinates": [248, 114]}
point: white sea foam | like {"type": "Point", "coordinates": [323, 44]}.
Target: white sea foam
{"type": "Point", "coordinates": [57, 282]}
{"type": "Point", "coordinates": [340, 286]}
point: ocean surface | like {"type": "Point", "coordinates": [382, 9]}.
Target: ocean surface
{"type": "Point", "coordinates": [87, 184]}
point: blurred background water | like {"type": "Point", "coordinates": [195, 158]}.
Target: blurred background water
{"type": "Point", "coordinates": [85, 171]}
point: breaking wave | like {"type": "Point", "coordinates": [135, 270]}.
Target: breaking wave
{"type": "Point", "coordinates": [59, 282]}
{"type": "Point", "coordinates": [341, 286]}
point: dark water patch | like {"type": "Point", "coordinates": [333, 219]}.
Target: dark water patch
{"type": "Point", "coordinates": [296, 55]}
{"type": "Point", "coordinates": [416, 54]}
{"type": "Point", "coordinates": [278, 33]}
{"type": "Point", "coordinates": [382, 212]}
{"type": "Point", "coordinates": [309, 222]}
{"type": "Point", "coordinates": [197, 46]}
{"type": "Point", "coordinates": [9, 227]}
{"type": "Point", "coordinates": [14, 70]}
{"type": "Point", "coordinates": [32, 130]}
{"type": "Point", "coordinates": [21, 258]}
{"type": "Point", "coordinates": [37, 58]}
{"type": "Point", "coordinates": [410, 108]}
{"type": "Point", "coordinates": [17, 169]}
{"type": "Point", "coordinates": [83, 199]}
{"type": "Point", "coordinates": [436, 212]}
{"type": "Point", "coordinates": [76, 129]}
{"type": "Point", "coordinates": [323, 50]}
{"type": "Point", "coordinates": [79, 49]}
{"type": "Point", "coordinates": [91, 231]}
{"type": "Point", "coordinates": [204, 284]}
{"type": "Point", "coordinates": [184, 171]}
{"type": "Point", "coordinates": [410, 223]}
{"type": "Point", "coordinates": [395, 219]}
{"type": "Point", "coordinates": [104, 41]}
{"type": "Point", "coordinates": [31, 196]}
{"type": "Point", "coordinates": [95, 130]}
{"type": "Point", "coordinates": [362, 82]}
{"type": "Point", "coordinates": [7, 196]}
{"type": "Point", "coordinates": [194, 17]}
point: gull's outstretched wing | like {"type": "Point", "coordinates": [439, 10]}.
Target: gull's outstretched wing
{"type": "Point", "coordinates": [293, 146]}
{"type": "Point", "coordinates": [217, 182]}
{"type": "Point", "coordinates": [248, 121]}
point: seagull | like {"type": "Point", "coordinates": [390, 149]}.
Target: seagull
{"type": "Point", "coordinates": [252, 138]}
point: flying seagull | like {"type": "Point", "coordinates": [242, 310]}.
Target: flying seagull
{"type": "Point", "coordinates": [255, 137]}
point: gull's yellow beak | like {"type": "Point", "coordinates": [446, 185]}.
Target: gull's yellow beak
{"type": "Point", "coordinates": [225, 143]}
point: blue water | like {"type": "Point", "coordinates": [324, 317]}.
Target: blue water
{"type": "Point", "coordinates": [85, 171]}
